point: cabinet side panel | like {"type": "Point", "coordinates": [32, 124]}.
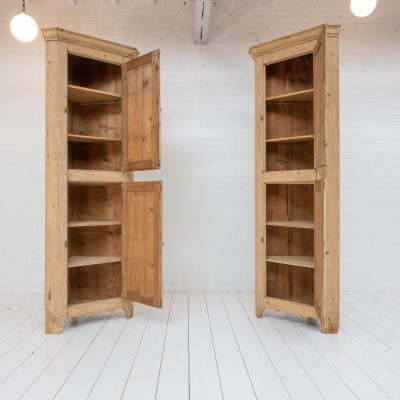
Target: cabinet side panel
{"type": "Point", "coordinates": [260, 207]}
{"type": "Point", "coordinates": [56, 186]}
{"type": "Point", "coordinates": [332, 259]}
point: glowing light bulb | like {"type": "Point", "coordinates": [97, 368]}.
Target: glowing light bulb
{"type": "Point", "coordinates": [362, 8]}
{"type": "Point", "coordinates": [24, 27]}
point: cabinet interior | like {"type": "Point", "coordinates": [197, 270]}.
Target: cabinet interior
{"type": "Point", "coordinates": [94, 74]}
{"type": "Point", "coordinates": [94, 210]}
{"type": "Point", "coordinates": [288, 76]}
{"type": "Point", "coordinates": [290, 241]}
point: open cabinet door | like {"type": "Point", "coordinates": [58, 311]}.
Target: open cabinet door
{"type": "Point", "coordinates": [319, 101]}
{"type": "Point", "coordinates": [142, 242]}
{"type": "Point", "coordinates": [141, 112]}
{"type": "Point", "coordinates": [319, 249]}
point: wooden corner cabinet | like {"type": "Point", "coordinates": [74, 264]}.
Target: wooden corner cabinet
{"type": "Point", "coordinates": [297, 175]}
{"type": "Point", "coordinates": [103, 231]}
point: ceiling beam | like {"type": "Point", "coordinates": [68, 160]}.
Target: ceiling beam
{"type": "Point", "coordinates": [202, 21]}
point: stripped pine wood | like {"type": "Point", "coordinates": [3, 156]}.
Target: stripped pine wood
{"type": "Point", "coordinates": [291, 139]}
{"type": "Point", "coordinates": [297, 142]}
{"type": "Point", "coordinates": [173, 382]}
{"type": "Point", "coordinates": [300, 261]}
{"type": "Point", "coordinates": [79, 94]}
{"type": "Point", "coordinates": [235, 381]}
{"type": "Point", "coordinates": [203, 368]}
{"type": "Point", "coordinates": [144, 374]}
{"type": "Point", "coordinates": [92, 139]}
{"type": "Point", "coordinates": [293, 224]}
{"type": "Point", "coordinates": [86, 140]}
{"type": "Point", "coordinates": [79, 261]}
{"type": "Point", "coordinates": [86, 177]}
{"type": "Point", "coordinates": [303, 95]}
{"type": "Point", "coordinates": [94, 306]}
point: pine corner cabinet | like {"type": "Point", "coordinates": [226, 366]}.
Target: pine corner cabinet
{"type": "Point", "coordinates": [297, 175]}
{"type": "Point", "coordinates": [103, 230]}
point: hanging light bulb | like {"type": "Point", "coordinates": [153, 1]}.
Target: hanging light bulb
{"type": "Point", "coordinates": [23, 26]}
{"type": "Point", "coordinates": [362, 8]}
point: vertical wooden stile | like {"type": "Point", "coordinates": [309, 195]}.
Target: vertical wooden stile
{"type": "Point", "coordinates": [56, 187]}
{"type": "Point", "coordinates": [261, 266]}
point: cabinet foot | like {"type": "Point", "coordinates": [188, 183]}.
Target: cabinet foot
{"type": "Point", "coordinates": [127, 305]}
{"type": "Point", "coordinates": [259, 310]}
{"type": "Point", "coordinates": [52, 325]}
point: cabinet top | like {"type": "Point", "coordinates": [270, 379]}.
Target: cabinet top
{"type": "Point", "coordinates": [293, 39]}
{"type": "Point", "coordinates": [63, 35]}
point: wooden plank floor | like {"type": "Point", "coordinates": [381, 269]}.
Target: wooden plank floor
{"type": "Point", "coordinates": [202, 346]}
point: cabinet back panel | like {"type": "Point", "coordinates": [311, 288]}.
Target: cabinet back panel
{"type": "Point", "coordinates": [290, 202]}
{"type": "Point", "coordinates": [290, 283]}
{"type": "Point", "coordinates": [283, 157]}
{"type": "Point", "coordinates": [289, 119]}
{"type": "Point", "coordinates": [96, 156]}
{"type": "Point", "coordinates": [282, 241]}
{"type": "Point", "coordinates": [94, 282]}
{"type": "Point", "coordinates": [102, 120]}
{"type": "Point", "coordinates": [289, 76]}
{"type": "Point", "coordinates": [94, 203]}
{"type": "Point", "coordinates": [94, 241]}
{"type": "Point", "coordinates": [94, 74]}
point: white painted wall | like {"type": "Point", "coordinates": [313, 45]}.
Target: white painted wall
{"type": "Point", "coordinates": [207, 134]}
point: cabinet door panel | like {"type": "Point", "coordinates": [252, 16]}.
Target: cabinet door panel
{"type": "Point", "coordinates": [141, 112]}
{"type": "Point", "coordinates": [319, 102]}
{"type": "Point", "coordinates": [141, 242]}
{"type": "Point", "coordinates": [319, 247]}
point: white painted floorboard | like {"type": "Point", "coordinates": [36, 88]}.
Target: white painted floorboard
{"type": "Point", "coordinates": [202, 346]}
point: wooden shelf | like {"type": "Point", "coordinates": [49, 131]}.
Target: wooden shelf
{"type": "Point", "coordinates": [94, 177]}
{"type": "Point", "coordinates": [292, 224]}
{"type": "Point", "coordinates": [84, 95]}
{"type": "Point", "coordinates": [292, 139]}
{"type": "Point", "coordinates": [80, 308]}
{"type": "Point", "coordinates": [299, 261]}
{"type": "Point", "coordinates": [297, 176]}
{"type": "Point", "coordinates": [302, 95]}
{"type": "Point", "coordinates": [79, 224]}
{"type": "Point", "coordinates": [81, 261]}
{"type": "Point", "coordinates": [92, 139]}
